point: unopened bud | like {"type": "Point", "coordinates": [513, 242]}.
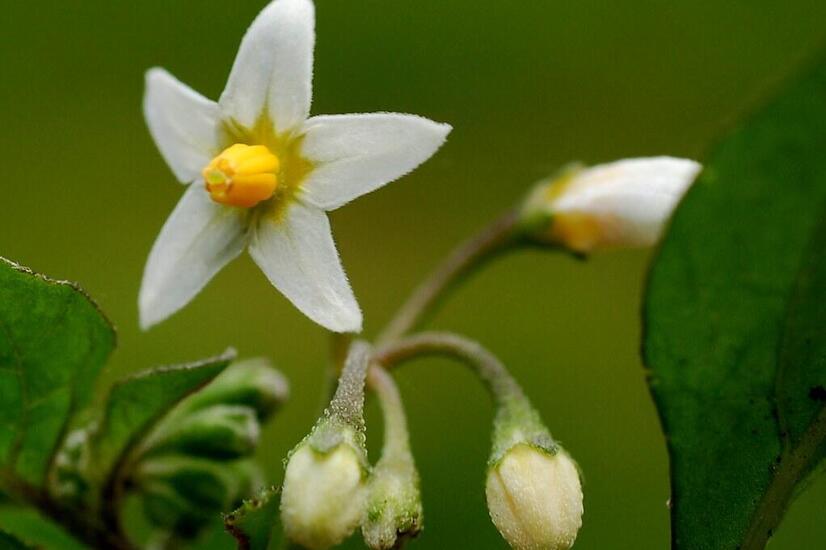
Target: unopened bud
{"type": "Point", "coordinates": [253, 383]}
{"type": "Point", "coordinates": [219, 432]}
{"type": "Point", "coordinates": [323, 496]}
{"type": "Point", "coordinates": [533, 488]}
{"type": "Point", "coordinates": [394, 505]}
{"type": "Point", "coordinates": [620, 204]}
{"type": "Point", "coordinates": [535, 498]}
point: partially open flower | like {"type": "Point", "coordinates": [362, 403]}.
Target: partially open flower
{"type": "Point", "coordinates": [621, 204]}
{"type": "Point", "coordinates": [324, 489]}
{"type": "Point", "coordinates": [535, 498]}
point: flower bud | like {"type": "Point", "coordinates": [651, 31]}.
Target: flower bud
{"type": "Point", "coordinates": [394, 505]}
{"type": "Point", "coordinates": [219, 432]}
{"type": "Point", "coordinates": [621, 204]}
{"type": "Point", "coordinates": [535, 498]}
{"type": "Point", "coordinates": [253, 383]}
{"type": "Point", "coordinates": [322, 499]}
{"type": "Point", "coordinates": [533, 489]}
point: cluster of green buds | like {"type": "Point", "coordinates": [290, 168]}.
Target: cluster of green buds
{"type": "Point", "coordinates": [197, 462]}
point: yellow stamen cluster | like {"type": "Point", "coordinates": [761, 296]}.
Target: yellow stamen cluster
{"type": "Point", "coordinates": [242, 175]}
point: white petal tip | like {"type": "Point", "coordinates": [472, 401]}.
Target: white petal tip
{"type": "Point", "coordinates": [351, 323]}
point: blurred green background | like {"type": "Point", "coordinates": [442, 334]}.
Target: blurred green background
{"type": "Point", "coordinates": [528, 86]}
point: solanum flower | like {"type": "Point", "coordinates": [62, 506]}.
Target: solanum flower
{"type": "Point", "coordinates": [263, 173]}
{"type": "Point", "coordinates": [620, 204]}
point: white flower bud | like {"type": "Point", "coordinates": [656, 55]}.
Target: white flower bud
{"type": "Point", "coordinates": [620, 204]}
{"type": "Point", "coordinates": [535, 498]}
{"type": "Point", "coordinates": [323, 496]}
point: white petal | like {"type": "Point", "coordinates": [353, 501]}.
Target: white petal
{"type": "Point", "coordinates": [635, 197]}
{"type": "Point", "coordinates": [356, 154]}
{"type": "Point", "coordinates": [299, 257]}
{"type": "Point", "coordinates": [183, 123]}
{"type": "Point", "coordinates": [199, 238]}
{"type": "Point", "coordinates": [273, 70]}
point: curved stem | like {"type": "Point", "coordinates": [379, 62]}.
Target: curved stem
{"type": "Point", "coordinates": [396, 438]}
{"type": "Point", "coordinates": [502, 385]}
{"type": "Point", "coordinates": [466, 258]}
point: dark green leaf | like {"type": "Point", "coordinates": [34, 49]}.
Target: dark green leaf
{"type": "Point", "coordinates": [137, 403]}
{"type": "Point", "coordinates": [256, 522]}
{"type": "Point", "coordinates": [53, 342]}
{"type": "Point", "coordinates": [10, 542]}
{"type": "Point", "coordinates": [734, 321]}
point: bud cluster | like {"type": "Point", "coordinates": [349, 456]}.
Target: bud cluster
{"type": "Point", "coordinates": [197, 462]}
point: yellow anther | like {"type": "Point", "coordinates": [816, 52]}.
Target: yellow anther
{"type": "Point", "coordinates": [242, 175]}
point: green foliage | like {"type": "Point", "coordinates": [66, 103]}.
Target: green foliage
{"type": "Point", "coordinates": [735, 326]}
{"type": "Point", "coordinates": [256, 522]}
{"type": "Point", "coordinates": [135, 404]}
{"type": "Point", "coordinates": [53, 343]}
{"type": "Point", "coordinates": [185, 454]}
{"type": "Point", "coordinates": [10, 542]}
{"type": "Point", "coordinates": [28, 525]}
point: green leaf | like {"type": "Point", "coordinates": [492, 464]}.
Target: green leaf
{"type": "Point", "coordinates": [256, 522]}
{"type": "Point", "coordinates": [734, 326]}
{"type": "Point", "coordinates": [38, 531]}
{"type": "Point", "coordinates": [138, 402]}
{"type": "Point", "coordinates": [53, 343]}
{"type": "Point", "coordinates": [10, 542]}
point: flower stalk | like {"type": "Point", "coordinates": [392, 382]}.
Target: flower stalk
{"type": "Point", "coordinates": [394, 505]}
{"type": "Point", "coordinates": [492, 241]}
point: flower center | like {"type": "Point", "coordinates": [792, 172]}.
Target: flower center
{"type": "Point", "coordinates": [242, 175]}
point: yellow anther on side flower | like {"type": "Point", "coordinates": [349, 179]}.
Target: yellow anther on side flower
{"type": "Point", "coordinates": [242, 175]}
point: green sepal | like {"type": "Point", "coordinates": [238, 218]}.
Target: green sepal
{"type": "Point", "coordinates": [257, 521]}
{"type": "Point", "coordinates": [517, 422]}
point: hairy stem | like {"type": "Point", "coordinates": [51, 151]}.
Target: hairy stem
{"type": "Point", "coordinates": [396, 438]}
{"type": "Point", "coordinates": [466, 258]}
{"type": "Point", "coordinates": [503, 387]}
{"type": "Point", "coordinates": [348, 401]}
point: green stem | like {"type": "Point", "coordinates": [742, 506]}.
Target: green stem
{"type": "Point", "coordinates": [347, 404]}
{"type": "Point", "coordinates": [503, 387]}
{"type": "Point", "coordinates": [492, 241]}
{"type": "Point", "coordinates": [396, 438]}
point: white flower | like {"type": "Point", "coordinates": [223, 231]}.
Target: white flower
{"type": "Point", "coordinates": [535, 498]}
{"type": "Point", "coordinates": [621, 204]}
{"type": "Point", "coordinates": [264, 174]}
